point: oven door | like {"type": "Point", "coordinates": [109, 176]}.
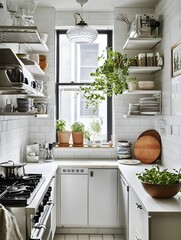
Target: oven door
{"type": "Point", "coordinates": [43, 229]}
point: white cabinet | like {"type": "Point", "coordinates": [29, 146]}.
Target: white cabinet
{"type": "Point", "coordinates": [103, 197]}
{"type": "Point", "coordinates": [124, 206]}
{"type": "Point", "coordinates": [138, 219]}
{"type": "Point", "coordinates": [74, 197]}
{"type": "Point", "coordinates": [89, 197]}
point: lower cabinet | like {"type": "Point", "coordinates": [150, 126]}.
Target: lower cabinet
{"type": "Point", "coordinates": [152, 226]}
{"type": "Point", "coordinates": [103, 197]}
{"type": "Point", "coordinates": [124, 206]}
{"type": "Point", "coordinates": [90, 198]}
{"type": "Point", "coordinates": [138, 219]}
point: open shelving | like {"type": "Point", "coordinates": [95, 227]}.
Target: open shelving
{"type": "Point", "coordinates": [145, 69]}
{"type": "Point", "coordinates": [141, 43]}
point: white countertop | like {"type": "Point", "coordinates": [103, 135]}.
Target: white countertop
{"type": "Point", "coordinates": [151, 205]}
{"type": "Point", "coordinates": [49, 168]}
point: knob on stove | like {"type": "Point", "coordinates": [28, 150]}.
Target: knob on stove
{"type": "Point", "coordinates": [41, 208]}
{"type": "Point", "coordinates": [45, 200]}
{"type": "Point", "coordinates": [36, 218]}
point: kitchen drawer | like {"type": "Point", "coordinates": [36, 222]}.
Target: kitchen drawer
{"type": "Point", "coordinates": [138, 219]}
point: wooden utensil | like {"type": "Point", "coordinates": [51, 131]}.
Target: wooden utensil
{"type": "Point", "coordinates": [147, 149]}
{"type": "Point", "coordinates": [152, 133]}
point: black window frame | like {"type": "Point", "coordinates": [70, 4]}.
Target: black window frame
{"type": "Point", "coordinates": [109, 99]}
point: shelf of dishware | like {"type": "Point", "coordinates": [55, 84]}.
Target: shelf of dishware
{"type": "Point", "coordinates": [145, 69]}
{"type": "Point", "coordinates": [141, 43]}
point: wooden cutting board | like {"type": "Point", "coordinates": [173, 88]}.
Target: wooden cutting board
{"type": "Point", "coordinates": [155, 134]}
{"type": "Point", "coordinates": [147, 149]}
{"type": "Point", "coordinates": [152, 133]}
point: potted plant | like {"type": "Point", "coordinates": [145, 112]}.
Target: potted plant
{"type": "Point", "coordinates": [132, 83]}
{"type": "Point", "coordinates": [78, 130]}
{"type": "Point", "coordinates": [87, 136]}
{"type": "Point", "coordinates": [160, 183]}
{"type": "Point", "coordinates": [62, 133]}
{"type": "Point", "coordinates": [96, 128]}
{"type": "Point", "coordinates": [109, 78]}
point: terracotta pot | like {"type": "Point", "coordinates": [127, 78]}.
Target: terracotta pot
{"type": "Point", "coordinates": [78, 139]}
{"type": "Point", "coordinates": [63, 138]}
{"type": "Point", "coordinates": [161, 191]}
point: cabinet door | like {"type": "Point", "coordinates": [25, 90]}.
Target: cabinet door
{"type": "Point", "coordinates": [103, 197]}
{"type": "Point", "coordinates": [123, 206]}
{"type": "Point", "coordinates": [74, 200]}
{"type": "Point", "coordinates": [138, 219]}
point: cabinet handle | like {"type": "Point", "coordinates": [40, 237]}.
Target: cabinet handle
{"type": "Point", "coordinates": [91, 174]}
{"type": "Point", "coordinates": [139, 206]}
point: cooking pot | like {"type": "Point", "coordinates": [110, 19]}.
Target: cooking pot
{"type": "Point", "coordinates": [10, 170]}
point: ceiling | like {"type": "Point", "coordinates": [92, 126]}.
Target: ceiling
{"type": "Point", "coordinates": [96, 5]}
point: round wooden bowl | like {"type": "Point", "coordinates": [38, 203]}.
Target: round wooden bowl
{"type": "Point", "coordinates": [161, 191]}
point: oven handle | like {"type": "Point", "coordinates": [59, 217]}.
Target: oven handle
{"type": "Point", "coordinates": [39, 229]}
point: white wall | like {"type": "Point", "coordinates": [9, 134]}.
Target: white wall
{"type": "Point", "coordinates": [16, 132]}
{"type": "Point", "coordinates": [170, 12]}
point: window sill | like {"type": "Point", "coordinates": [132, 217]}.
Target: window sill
{"type": "Point", "coordinates": [84, 147]}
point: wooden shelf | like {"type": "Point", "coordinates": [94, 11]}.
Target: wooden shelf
{"type": "Point", "coordinates": [142, 92]}
{"type": "Point", "coordinates": [141, 43]}
{"type": "Point", "coordinates": [138, 69]}
{"type": "Point", "coordinates": [33, 67]}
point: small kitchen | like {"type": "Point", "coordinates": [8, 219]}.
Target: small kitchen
{"type": "Point", "coordinates": [98, 166]}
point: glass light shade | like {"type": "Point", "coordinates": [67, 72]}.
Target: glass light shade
{"type": "Point", "coordinates": [82, 33]}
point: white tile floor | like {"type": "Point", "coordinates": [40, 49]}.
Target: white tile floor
{"type": "Point", "coordinates": [87, 237]}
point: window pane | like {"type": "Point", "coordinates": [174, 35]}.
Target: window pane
{"type": "Point", "coordinates": [76, 63]}
{"type": "Point", "coordinates": [75, 110]}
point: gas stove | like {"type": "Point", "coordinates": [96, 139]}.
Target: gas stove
{"type": "Point", "coordinates": [21, 191]}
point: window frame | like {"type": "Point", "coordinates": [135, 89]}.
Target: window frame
{"type": "Point", "coordinates": [57, 84]}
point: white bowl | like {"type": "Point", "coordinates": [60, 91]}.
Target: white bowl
{"type": "Point", "coordinates": [146, 85]}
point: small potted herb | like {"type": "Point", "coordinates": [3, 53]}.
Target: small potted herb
{"type": "Point", "coordinates": [160, 183]}
{"type": "Point", "coordinates": [62, 133]}
{"type": "Point", "coordinates": [78, 130]}
{"type": "Point", "coordinates": [132, 83]}
{"type": "Point", "coordinates": [87, 136]}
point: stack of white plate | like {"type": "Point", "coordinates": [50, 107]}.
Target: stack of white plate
{"type": "Point", "coordinates": [149, 106]}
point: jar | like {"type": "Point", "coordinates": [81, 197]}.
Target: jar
{"type": "Point", "coordinates": [150, 59]}
{"type": "Point", "coordinates": [141, 59]}
{"type": "Point", "coordinates": [124, 150]}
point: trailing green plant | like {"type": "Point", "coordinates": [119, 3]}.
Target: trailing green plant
{"type": "Point", "coordinates": [78, 127]}
{"type": "Point", "coordinates": [109, 78]}
{"type": "Point", "coordinates": [60, 125]}
{"type": "Point", "coordinates": [157, 176]}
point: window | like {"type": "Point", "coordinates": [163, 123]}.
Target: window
{"type": "Point", "coordinates": [75, 62]}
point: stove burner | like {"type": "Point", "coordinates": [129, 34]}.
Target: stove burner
{"type": "Point", "coordinates": [15, 189]}
{"type": "Point", "coordinates": [18, 192]}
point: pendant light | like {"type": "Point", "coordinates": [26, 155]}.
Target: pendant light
{"type": "Point", "coordinates": [81, 33]}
